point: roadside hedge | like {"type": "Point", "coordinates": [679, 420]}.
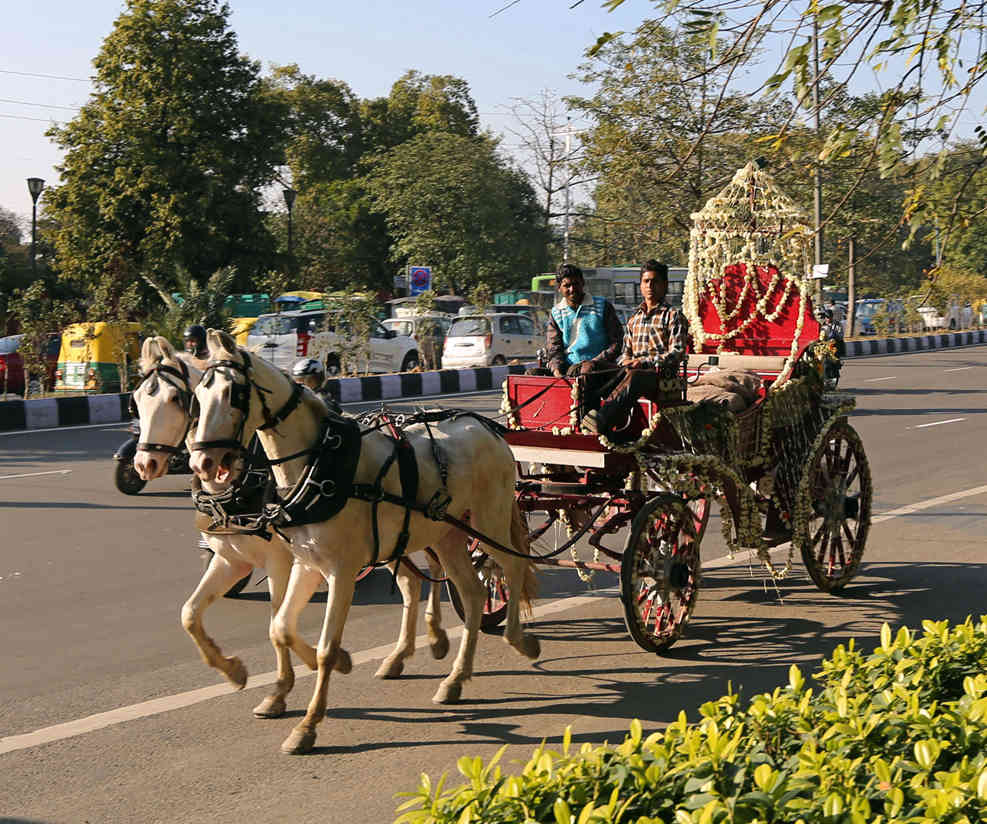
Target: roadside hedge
{"type": "Point", "coordinates": [899, 735]}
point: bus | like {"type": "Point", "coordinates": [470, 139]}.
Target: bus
{"type": "Point", "coordinates": [618, 284]}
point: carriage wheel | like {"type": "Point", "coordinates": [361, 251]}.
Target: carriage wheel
{"type": "Point", "coordinates": [833, 509]}
{"type": "Point", "coordinates": [493, 580]}
{"type": "Point", "coordinates": [659, 575]}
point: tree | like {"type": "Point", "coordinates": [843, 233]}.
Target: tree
{"type": "Point", "coordinates": [541, 126]}
{"type": "Point", "coordinates": [661, 142]}
{"type": "Point", "coordinates": [164, 164]}
{"type": "Point", "coordinates": [930, 56]}
{"type": "Point", "coordinates": [453, 202]}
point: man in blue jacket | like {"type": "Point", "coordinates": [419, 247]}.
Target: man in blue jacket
{"type": "Point", "coordinates": [584, 334]}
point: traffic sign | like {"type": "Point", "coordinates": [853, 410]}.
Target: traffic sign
{"type": "Point", "coordinates": [820, 271]}
{"type": "Point", "coordinates": [419, 279]}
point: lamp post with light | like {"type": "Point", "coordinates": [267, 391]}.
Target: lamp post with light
{"type": "Point", "coordinates": [34, 186]}
{"type": "Point", "coordinates": [289, 201]}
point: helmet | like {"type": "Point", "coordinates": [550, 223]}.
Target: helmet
{"type": "Point", "coordinates": [197, 335]}
{"type": "Point", "coordinates": [307, 366]}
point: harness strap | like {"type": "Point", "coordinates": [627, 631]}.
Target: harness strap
{"type": "Point", "coordinates": [147, 446]}
{"type": "Point", "coordinates": [278, 417]}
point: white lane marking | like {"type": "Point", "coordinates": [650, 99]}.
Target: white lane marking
{"type": "Point", "coordinates": [35, 474]}
{"type": "Point", "coordinates": [959, 369]}
{"type": "Point", "coordinates": [46, 430]}
{"type": "Point", "coordinates": [938, 423]}
{"type": "Point", "coordinates": [156, 706]}
{"type": "Point", "coordinates": [874, 380]}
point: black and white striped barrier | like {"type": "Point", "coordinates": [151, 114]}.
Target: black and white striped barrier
{"type": "Point", "coordinates": [44, 413]}
{"type": "Point", "coordinates": [923, 343]}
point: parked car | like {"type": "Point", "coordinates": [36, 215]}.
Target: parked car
{"type": "Point", "coordinates": [12, 378]}
{"type": "Point", "coordinates": [538, 315]}
{"type": "Point", "coordinates": [490, 340]}
{"type": "Point", "coordinates": [427, 330]}
{"type": "Point", "coordinates": [866, 309]}
{"type": "Point", "coordinates": [284, 337]}
{"type": "Point", "coordinates": [385, 350]}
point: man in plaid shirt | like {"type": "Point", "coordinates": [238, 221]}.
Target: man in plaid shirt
{"type": "Point", "coordinates": [656, 336]}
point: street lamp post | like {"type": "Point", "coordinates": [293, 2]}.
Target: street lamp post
{"type": "Point", "coordinates": [289, 201]}
{"type": "Point", "coordinates": [34, 186]}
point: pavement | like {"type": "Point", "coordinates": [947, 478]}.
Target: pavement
{"type": "Point", "coordinates": [136, 728]}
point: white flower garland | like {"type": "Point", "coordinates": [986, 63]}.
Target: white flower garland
{"type": "Point", "coordinates": [753, 224]}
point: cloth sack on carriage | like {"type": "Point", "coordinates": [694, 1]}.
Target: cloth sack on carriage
{"type": "Point", "coordinates": [733, 401]}
{"type": "Point", "coordinates": [744, 383]}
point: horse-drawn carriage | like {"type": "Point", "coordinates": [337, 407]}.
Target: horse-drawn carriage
{"type": "Point", "coordinates": [777, 453]}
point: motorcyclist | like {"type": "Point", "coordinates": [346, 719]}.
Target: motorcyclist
{"type": "Point", "coordinates": [195, 344]}
{"type": "Point", "coordinates": [832, 330]}
{"type": "Point", "coordinates": [309, 372]}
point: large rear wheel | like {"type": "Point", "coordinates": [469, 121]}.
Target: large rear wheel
{"type": "Point", "coordinates": [832, 511]}
{"type": "Point", "coordinates": [493, 580]}
{"type": "Point", "coordinates": [659, 575]}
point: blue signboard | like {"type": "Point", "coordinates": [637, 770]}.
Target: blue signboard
{"type": "Point", "coordinates": [419, 279]}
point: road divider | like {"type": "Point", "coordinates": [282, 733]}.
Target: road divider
{"type": "Point", "coordinates": [80, 410]}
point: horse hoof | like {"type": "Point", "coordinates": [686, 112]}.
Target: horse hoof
{"type": "Point", "coordinates": [530, 647]}
{"type": "Point", "coordinates": [237, 673]}
{"type": "Point", "coordinates": [439, 647]}
{"type": "Point", "coordinates": [299, 742]}
{"type": "Point", "coordinates": [390, 668]}
{"type": "Point", "coordinates": [343, 663]}
{"type": "Point", "coordinates": [448, 694]}
{"type": "Point", "coordinates": [271, 707]}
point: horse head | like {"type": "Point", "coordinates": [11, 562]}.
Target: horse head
{"type": "Point", "coordinates": [162, 403]}
{"type": "Point", "coordinates": [226, 419]}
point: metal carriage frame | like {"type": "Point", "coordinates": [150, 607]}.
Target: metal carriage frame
{"type": "Point", "coordinates": [790, 468]}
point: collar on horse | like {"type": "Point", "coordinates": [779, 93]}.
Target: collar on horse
{"type": "Point", "coordinates": [184, 389]}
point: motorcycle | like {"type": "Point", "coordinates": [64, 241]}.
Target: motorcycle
{"type": "Point", "coordinates": [125, 476]}
{"type": "Point", "coordinates": [833, 330]}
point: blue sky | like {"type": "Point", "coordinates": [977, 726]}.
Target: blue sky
{"type": "Point", "coordinates": [368, 44]}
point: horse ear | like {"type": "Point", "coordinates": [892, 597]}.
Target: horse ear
{"type": "Point", "coordinates": [146, 349]}
{"type": "Point", "coordinates": [220, 343]}
{"type": "Point", "coordinates": [167, 350]}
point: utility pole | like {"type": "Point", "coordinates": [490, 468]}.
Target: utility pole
{"type": "Point", "coordinates": [851, 289]}
{"type": "Point", "coordinates": [568, 133]}
{"type": "Point", "coordinates": [816, 174]}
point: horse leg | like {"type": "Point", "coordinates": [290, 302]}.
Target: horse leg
{"type": "Point", "coordinates": [302, 582]}
{"type": "Point", "coordinates": [302, 737]}
{"type": "Point", "coordinates": [438, 641]}
{"type": "Point", "coordinates": [456, 560]}
{"type": "Point", "coordinates": [219, 576]}
{"type": "Point", "coordinates": [411, 590]}
{"type": "Point", "coordinates": [518, 571]}
{"type": "Point", "coordinates": [278, 572]}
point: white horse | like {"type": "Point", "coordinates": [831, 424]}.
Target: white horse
{"type": "Point", "coordinates": [162, 401]}
{"type": "Point", "coordinates": [243, 394]}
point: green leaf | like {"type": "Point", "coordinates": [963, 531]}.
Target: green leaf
{"type": "Point", "coordinates": [561, 811]}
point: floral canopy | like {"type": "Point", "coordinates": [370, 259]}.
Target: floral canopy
{"type": "Point", "coordinates": [747, 288]}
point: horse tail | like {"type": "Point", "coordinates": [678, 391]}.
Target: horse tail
{"type": "Point", "coordinates": [519, 538]}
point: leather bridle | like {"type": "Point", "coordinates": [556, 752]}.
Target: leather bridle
{"type": "Point", "coordinates": [185, 395]}
{"type": "Point", "coordinates": [240, 401]}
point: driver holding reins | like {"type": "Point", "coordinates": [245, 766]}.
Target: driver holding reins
{"type": "Point", "coordinates": [657, 336]}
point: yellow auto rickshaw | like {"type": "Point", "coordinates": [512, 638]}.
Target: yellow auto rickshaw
{"type": "Point", "coordinates": [94, 356]}
{"type": "Point", "coordinates": [240, 328]}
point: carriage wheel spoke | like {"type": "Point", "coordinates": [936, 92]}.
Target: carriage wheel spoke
{"type": "Point", "coordinates": [824, 546]}
{"type": "Point", "coordinates": [851, 538]}
{"type": "Point", "coordinates": [852, 475]}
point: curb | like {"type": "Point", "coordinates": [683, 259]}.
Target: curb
{"type": "Point", "coordinates": [78, 410]}
{"type": "Point", "coordinates": [925, 343]}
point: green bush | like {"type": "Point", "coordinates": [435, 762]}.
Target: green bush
{"type": "Point", "coordinates": [899, 735]}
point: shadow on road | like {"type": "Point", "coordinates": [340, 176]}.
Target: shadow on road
{"type": "Point", "coordinates": [700, 668]}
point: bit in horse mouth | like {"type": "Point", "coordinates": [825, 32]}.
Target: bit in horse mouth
{"type": "Point", "coordinates": [225, 467]}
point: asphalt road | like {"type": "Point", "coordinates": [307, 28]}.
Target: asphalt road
{"type": "Point", "coordinates": [91, 583]}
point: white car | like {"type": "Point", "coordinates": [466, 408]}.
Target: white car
{"type": "Point", "coordinates": [490, 340]}
{"type": "Point", "coordinates": [427, 330]}
{"type": "Point", "coordinates": [285, 337]}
